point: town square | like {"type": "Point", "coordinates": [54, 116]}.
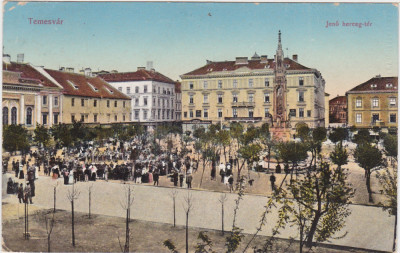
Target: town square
{"type": "Point", "coordinates": [122, 135]}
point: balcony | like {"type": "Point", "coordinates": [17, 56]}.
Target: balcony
{"type": "Point", "coordinates": [243, 119]}
{"type": "Point", "coordinates": [243, 104]}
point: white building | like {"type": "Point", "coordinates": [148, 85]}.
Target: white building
{"type": "Point", "coordinates": [153, 94]}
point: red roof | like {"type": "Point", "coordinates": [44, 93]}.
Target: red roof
{"type": "Point", "coordinates": [67, 80]}
{"type": "Point", "coordinates": [251, 64]}
{"type": "Point", "coordinates": [378, 84]}
{"type": "Point", "coordinates": [140, 75]}
{"type": "Point", "coordinates": [28, 72]}
{"type": "Point", "coordinates": [338, 100]}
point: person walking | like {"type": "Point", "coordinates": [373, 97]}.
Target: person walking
{"type": "Point", "coordinates": [156, 176]}
{"type": "Point", "coordinates": [20, 193]}
{"type": "Point", "coordinates": [189, 179]}
{"type": "Point", "coordinates": [230, 181]}
{"type": "Point", "coordinates": [28, 194]}
{"type": "Point", "coordinates": [213, 170]}
{"type": "Point", "coordinates": [272, 179]}
{"type": "Point", "coordinates": [222, 172]}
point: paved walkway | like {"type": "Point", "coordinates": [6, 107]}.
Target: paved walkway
{"type": "Point", "coordinates": [368, 227]}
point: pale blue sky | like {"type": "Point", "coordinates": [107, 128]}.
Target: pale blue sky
{"type": "Point", "coordinates": [180, 37]}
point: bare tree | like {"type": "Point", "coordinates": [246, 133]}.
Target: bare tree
{"type": "Point", "coordinates": [173, 195]}
{"type": "Point", "coordinates": [222, 200]}
{"type": "Point", "coordinates": [26, 215]}
{"type": "Point", "coordinates": [90, 188]}
{"type": "Point", "coordinates": [126, 204]}
{"type": "Point", "coordinates": [72, 195]}
{"type": "Point", "coordinates": [55, 195]}
{"type": "Point", "coordinates": [187, 207]}
{"type": "Point", "coordinates": [49, 222]}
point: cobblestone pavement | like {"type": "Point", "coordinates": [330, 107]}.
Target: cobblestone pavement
{"type": "Point", "coordinates": [367, 227]}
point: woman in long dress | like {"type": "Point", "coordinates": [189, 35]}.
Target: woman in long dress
{"type": "Point", "coordinates": [21, 171]}
{"type": "Point", "coordinates": [71, 177]}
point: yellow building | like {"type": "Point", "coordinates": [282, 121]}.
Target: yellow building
{"type": "Point", "coordinates": [373, 103]}
{"type": "Point", "coordinates": [245, 90]}
{"type": "Point", "coordinates": [90, 99]}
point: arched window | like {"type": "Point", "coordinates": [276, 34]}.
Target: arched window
{"type": "Point", "coordinates": [29, 116]}
{"type": "Point", "coordinates": [14, 116]}
{"type": "Point", "coordinates": [5, 116]}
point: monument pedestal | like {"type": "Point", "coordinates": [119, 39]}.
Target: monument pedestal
{"type": "Point", "coordinates": [280, 133]}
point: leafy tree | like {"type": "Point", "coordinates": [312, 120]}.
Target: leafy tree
{"type": "Point", "coordinates": [370, 159]}
{"type": "Point", "coordinates": [78, 131]}
{"type": "Point", "coordinates": [15, 138]}
{"type": "Point", "coordinates": [206, 244]}
{"type": "Point", "coordinates": [319, 205]}
{"type": "Point", "coordinates": [339, 156]}
{"type": "Point", "coordinates": [338, 134]}
{"type": "Point", "coordinates": [248, 154]}
{"type": "Point", "coordinates": [319, 134]}
{"type": "Point", "coordinates": [302, 131]}
{"type": "Point", "coordinates": [390, 145]}
{"type": "Point", "coordinates": [267, 140]}
{"type": "Point", "coordinates": [363, 136]}
{"type": "Point", "coordinates": [62, 135]}
{"type": "Point", "coordinates": [292, 152]}
{"type": "Point", "coordinates": [224, 139]}
{"type": "Point", "coordinates": [41, 135]}
{"type": "Point", "coordinates": [170, 245]}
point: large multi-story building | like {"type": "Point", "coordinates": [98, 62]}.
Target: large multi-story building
{"type": "Point", "coordinates": [246, 90]}
{"type": "Point", "coordinates": [153, 94]}
{"type": "Point", "coordinates": [373, 103]}
{"type": "Point", "coordinates": [338, 110]}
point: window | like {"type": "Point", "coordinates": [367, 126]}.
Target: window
{"type": "Point", "coordinates": [234, 113]}
{"type": "Point", "coordinates": [292, 112]}
{"type": "Point", "coordinates": [266, 97]}
{"type": "Point", "coordinates": [392, 118]}
{"type": "Point", "coordinates": [82, 118]}
{"type": "Point", "coordinates": [205, 85]}
{"type": "Point", "coordinates": [14, 116]}
{"type": "Point", "coordinates": [159, 90]}
{"type": "Point", "coordinates": [82, 102]}
{"type": "Point", "coordinates": [159, 113]}
{"type": "Point", "coordinates": [73, 85]}
{"type": "Point", "coordinates": [219, 113]}
{"type": "Point", "coordinates": [185, 114]}
{"type": "Point", "coordinates": [95, 118]}
{"type": "Point", "coordinates": [159, 102]}
{"type": "Point", "coordinates": [108, 117]}
{"type": "Point", "coordinates": [44, 100]}
{"type": "Point", "coordinates": [375, 102]}
{"type": "Point", "coordinates": [137, 102]}
{"type": "Point", "coordinates": [154, 101]}
{"type": "Point", "coordinates": [250, 83]}
{"type": "Point", "coordinates": [375, 117]}
{"type": "Point", "coordinates": [145, 89]}
{"type": "Point", "coordinates": [115, 103]}
{"type": "Point", "coordinates": [358, 102]}
{"type": "Point", "coordinates": [72, 118]}
{"type": "Point", "coordinates": [167, 103]}
{"type": "Point", "coordinates": [136, 114]}
{"type": "Point", "coordinates": [234, 83]}
{"type": "Point", "coordinates": [266, 82]}
{"type": "Point", "coordinates": [123, 104]}
{"type": "Point", "coordinates": [163, 91]}
{"type": "Point", "coordinates": [308, 113]}
{"type": "Point", "coordinates": [55, 118]}
{"type": "Point", "coordinates": [235, 98]}
{"type": "Point", "coordinates": [190, 99]}
{"type": "Point", "coordinates": [205, 99]}
{"type": "Point", "coordinates": [72, 101]}
{"type": "Point", "coordinates": [93, 88]}
{"type": "Point", "coordinates": [198, 113]}
{"type": "Point", "coordinates": [136, 89]}
{"type": "Point", "coordinates": [191, 85]}
{"type": "Point", "coordinates": [5, 116]}
{"type": "Point", "coordinates": [44, 118]}
{"type": "Point", "coordinates": [389, 85]}
{"type": "Point", "coordinates": [301, 81]}
{"type": "Point", "coordinates": [266, 112]}
{"type": "Point", "coordinates": [115, 117]}
{"type": "Point", "coordinates": [191, 114]}
{"type": "Point", "coordinates": [128, 90]}
{"type": "Point", "coordinates": [95, 103]}
{"type": "Point", "coordinates": [145, 100]}
{"type": "Point", "coordinates": [219, 98]}
{"type": "Point", "coordinates": [358, 118]}
{"type": "Point", "coordinates": [28, 115]}
{"type": "Point", "coordinates": [108, 103]}
{"type": "Point", "coordinates": [251, 113]}
{"type": "Point", "coordinates": [251, 97]}
{"type": "Point", "coordinates": [392, 102]}
{"type": "Point", "coordinates": [120, 89]}
{"type": "Point", "coordinates": [301, 112]}
{"type": "Point", "coordinates": [145, 114]}
{"type": "Point", "coordinates": [219, 84]}
{"type": "Point", "coordinates": [55, 101]}
{"type": "Point", "coordinates": [301, 96]}
{"type": "Point", "coordinates": [163, 114]}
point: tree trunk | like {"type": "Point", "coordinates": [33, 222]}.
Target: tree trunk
{"type": "Point", "coordinates": [90, 193]}
{"type": "Point", "coordinates": [73, 223]}
{"type": "Point", "coordinates": [301, 239]}
{"type": "Point", "coordinates": [222, 219]}
{"type": "Point", "coordinates": [395, 228]}
{"type": "Point", "coordinates": [55, 200]}
{"type": "Point", "coordinates": [187, 232]}
{"type": "Point", "coordinates": [204, 166]}
{"type": "Point", "coordinates": [368, 182]}
{"type": "Point", "coordinates": [48, 243]}
{"type": "Point", "coordinates": [225, 153]}
{"type": "Point", "coordinates": [313, 228]}
{"type": "Point", "coordinates": [174, 213]}
{"type": "Point", "coordinates": [269, 157]}
{"type": "Point", "coordinates": [127, 232]}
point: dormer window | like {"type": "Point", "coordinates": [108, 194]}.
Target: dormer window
{"type": "Point", "coordinates": [287, 66]}
{"type": "Point", "coordinates": [110, 91]}
{"type": "Point", "coordinates": [389, 85]}
{"type": "Point", "coordinates": [93, 88]}
{"type": "Point", "coordinates": [73, 85]}
{"type": "Point", "coordinates": [373, 85]}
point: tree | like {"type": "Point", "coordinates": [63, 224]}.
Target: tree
{"type": "Point", "coordinates": [319, 204]}
{"type": "Point", "coordinates": [248, 153]}
{"type": "Point", "coordinates": [302, 131]}
{"type": "Point", "coordinates": [90, 190]}
{"type": "Point", "coordinates": [173, 195]}
{"type": "Point", "coordinates": [388, 181]}
{"type": "Point", "coordinates": [224, 139]}
{"type": "Point", "coordinates": [62, 135]}
{"type": "Point", "coordinates": [339, 156]}
{"type": "Point", "coordinates": [292, 152]}
{"type": "Point", "coordinates": [55, 196]}
{"type": "Point", "coordinates": [363, 136]}
{"type": "Point", "coordinates": [222, 200]}
{"type": "Point", "coordinates": [206, 244]}
{"type": "Point", "coordinates": [338, 134]}
{"type": "Point", "coordinates": [15, 138]}
{"type": "Point", "coordinates": [370, 159]}
{"type": "Point", "coordinates": [170, 245]}
{"type": "Point", "coordinates": [187, 207]}
{"type": "Point", "coordinates": [78, 131]}
{"type": "Point", "coordinates": [267, 141]}
{"type": "Point", "coordinates": [73, 195]}
{"type": "Point", "coordinates": [390, 145]}
{"type": "Point", "coordinates": [41, 135]}
{"type": "Point", "coordinates": [126, 204]}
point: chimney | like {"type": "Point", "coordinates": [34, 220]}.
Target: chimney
{"type": "Point", "coordinates": [20, 58]}
{"type": "Point", "coordinates": [241, 61]}
{"type": "Point", "coordinates": [7, 58]}
{"type": "Point", "coordinates": [255, 56]}
{"type": "Point", "coordinates": [149, 65]}
{"type": "Point", "coordinates": [141, 68]}
{"type": "Point", "coordinates": [88, 72]}
{"type": "Point", "coordinates": [70, 70]}
{"type": "Point", "coordinates": [264, 59]}
{"type": "Point", "coordinates": [208, 62]}
{"type": "Point", "coordinates": [152, 70]}
{"type": "Point", "coordinates": [295, 57]}
{"type": "Point", "coordinates": [378, 76]}
{"type": "Point", "coordinates": [62, 69]}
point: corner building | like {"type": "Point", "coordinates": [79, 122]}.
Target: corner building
{"type": "Point", "coordinates": [244, 91]}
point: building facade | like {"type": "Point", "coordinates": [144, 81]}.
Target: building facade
{"type": "Point", "coordinates": [373, 103]}
{"type": "Point", "coordinates": [153, 94]}
{"type": "Point", "coordinates": [338, 110]}
{"type": "Point", "coordinates": [178, 103]}
{"type": "Point", "coordinates": [245, 90]}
